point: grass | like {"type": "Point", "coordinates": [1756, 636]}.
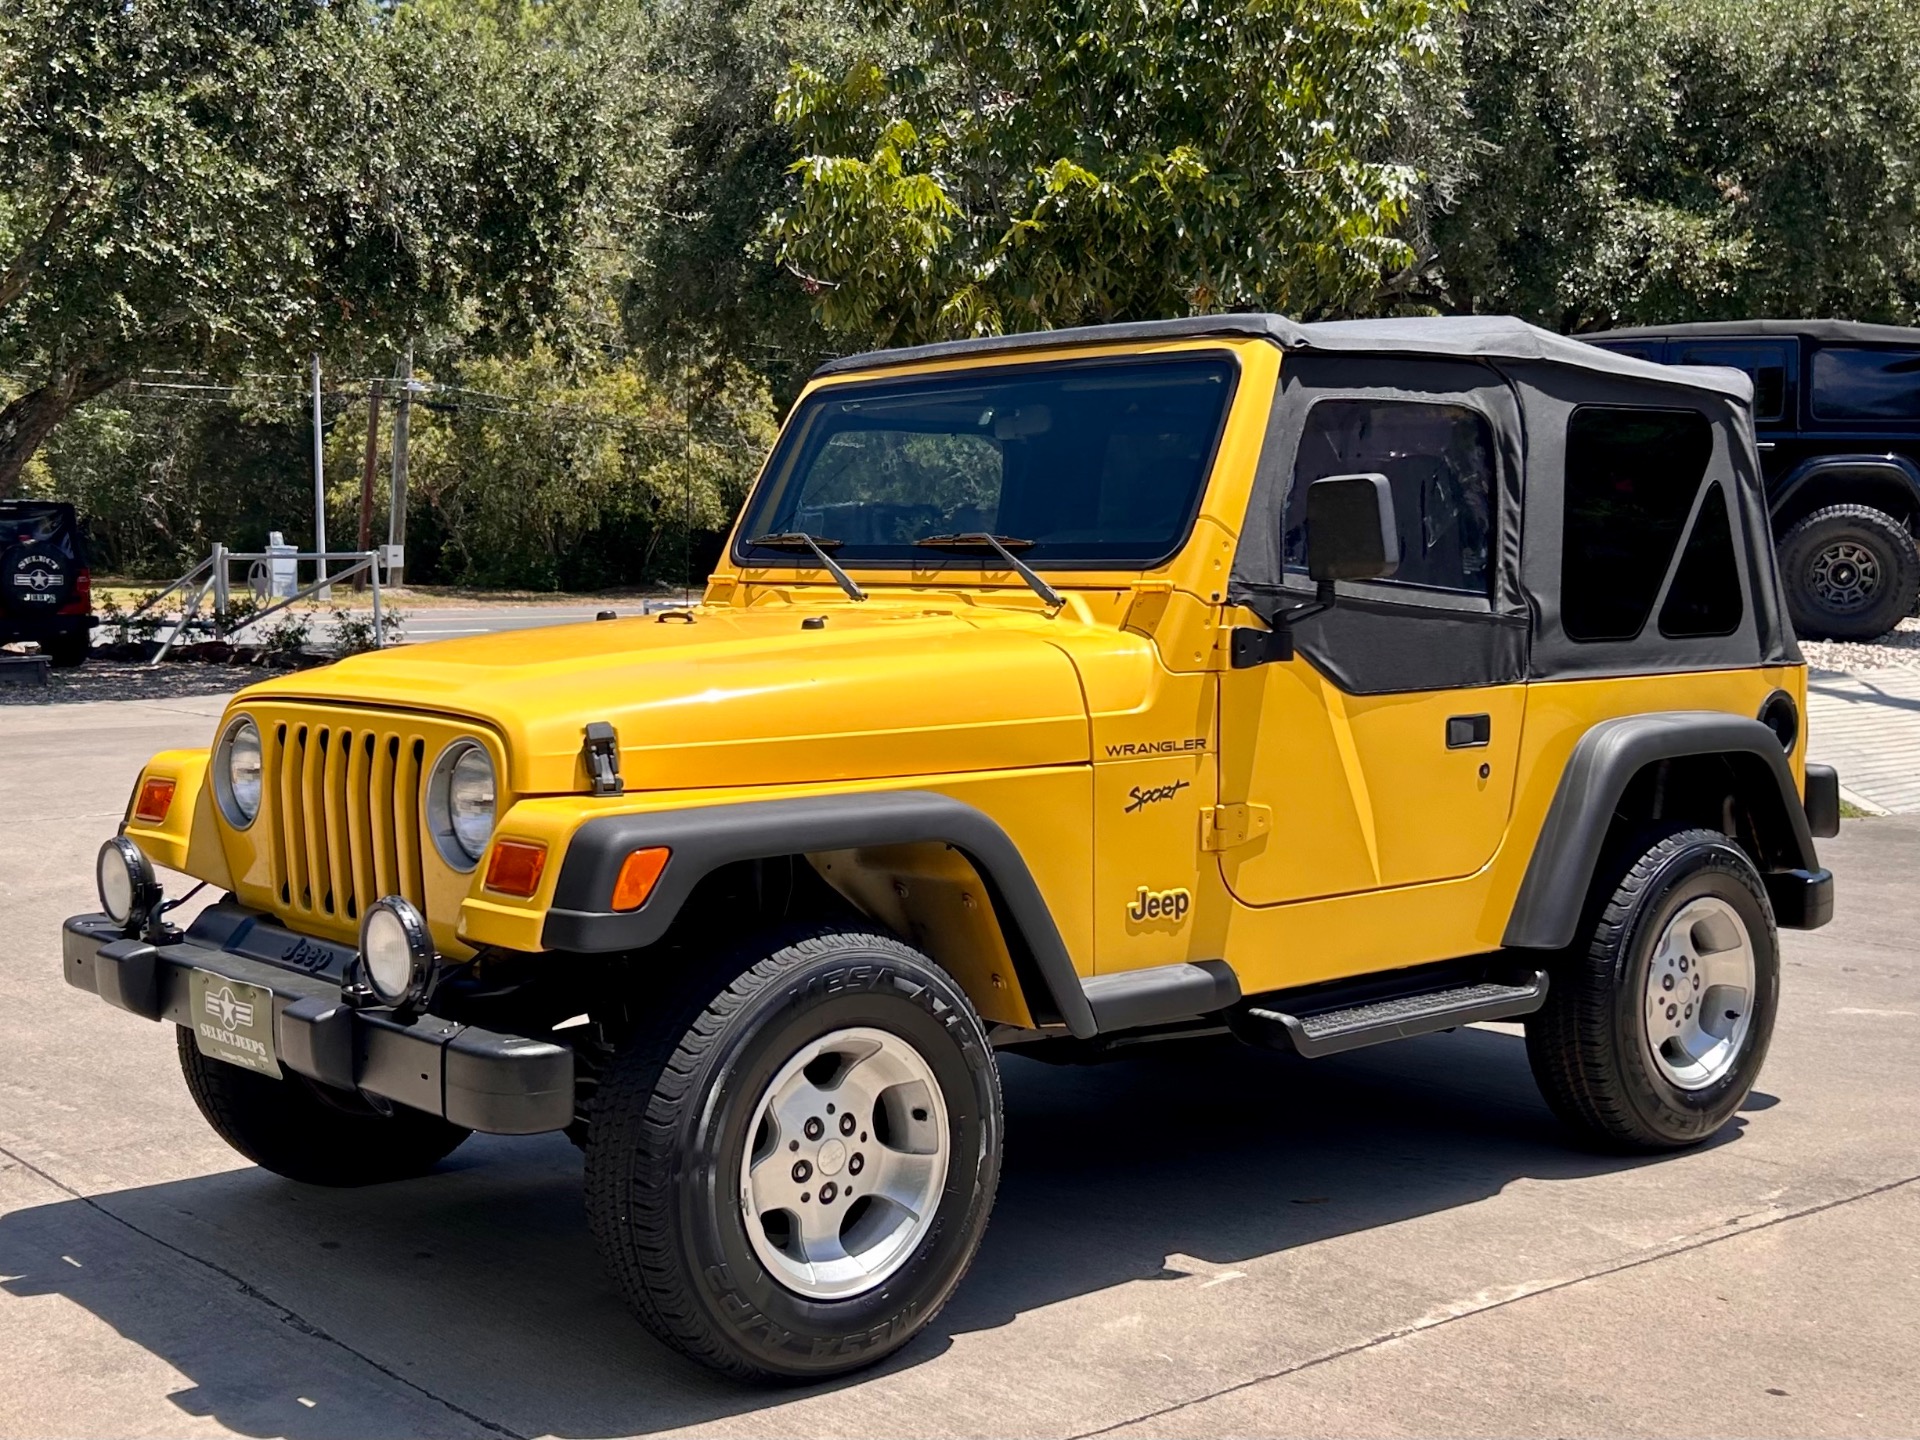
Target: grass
{"type": "Point", "coordinates": [1851, 811]}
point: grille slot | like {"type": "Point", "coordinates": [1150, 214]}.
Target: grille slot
{"type": "Point", "coordinates": [349, 817]}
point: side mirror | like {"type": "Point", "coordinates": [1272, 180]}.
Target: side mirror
{"type": "Point", "coordinates": [1351, 534]}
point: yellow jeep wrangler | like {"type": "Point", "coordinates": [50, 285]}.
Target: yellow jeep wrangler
{"type": "Point", "coordinates": [1319, 685]}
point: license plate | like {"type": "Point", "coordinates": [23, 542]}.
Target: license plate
{"type": "Point", "coordinates": [233, 1021]}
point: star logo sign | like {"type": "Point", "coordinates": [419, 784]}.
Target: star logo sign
{"type": "Point", "coordinates": [230, 1012]}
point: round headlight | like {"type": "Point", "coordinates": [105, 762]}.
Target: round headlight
{"type": "Point", "coordinates": [461, 800]}
{"type": "Point", "coordinates": [396, 952]}
{"type": "Point", "coordinates": [237, 773]}
{"type": "Point", "coordinates": [128, 891]}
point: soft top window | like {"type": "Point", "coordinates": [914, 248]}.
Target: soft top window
{"type": "Point", "coordinates": [1438, 459]}
{"type": "Point", "coordinates": [1850, 384]}
{"type": "Point", "coordinates": [1631, 479]}
{"type": "Point", "coordinates": [1097, 462]}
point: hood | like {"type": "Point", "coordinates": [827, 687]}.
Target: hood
{"type": "Point", "coordinates": [744, 696]}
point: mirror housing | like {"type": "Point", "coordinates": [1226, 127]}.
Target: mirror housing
{"type": "Point", "coordinates": [1351, 532]}
{"type": "Point", "coordinates": [1351, 535]}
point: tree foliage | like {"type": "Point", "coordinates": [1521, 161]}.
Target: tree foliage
{"type": "Point", "coordinates": [1045, 162]}
{"type": "Point", "coordinates": [1663, 160]}
{"type": "Point", "coordinates": [190, 186]}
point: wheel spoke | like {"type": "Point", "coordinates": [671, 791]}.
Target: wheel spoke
{"type": "Point", "coordinates": [907, 1179]}
{"type": "Point", "coordinates": [818, 1234]}
{"type": "Point", "coordinates": [771, 1185]}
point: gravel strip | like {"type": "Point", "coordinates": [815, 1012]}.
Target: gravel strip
{"type": "Point", "coordinates": [1899, 650]}
{"type": "Point", "coordinates": [131, 680]}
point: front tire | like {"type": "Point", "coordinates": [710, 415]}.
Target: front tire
{"type": "Point", "coordinates": [1659, 1015]}
{"type": "Point", "coordinates": [790, 1174]}
{"type": "Point", "coordinates": [309, 1132]}
{"type": "Point", "coordinates": [1851, 572]}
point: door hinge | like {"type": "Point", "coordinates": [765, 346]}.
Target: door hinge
{"type": "Point", "coordinates": [1222, 827]}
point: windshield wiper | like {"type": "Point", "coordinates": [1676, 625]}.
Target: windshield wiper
{"type": "Point", "coordinates": [801, 540]}
{"type": "Point", "coordinates": [980, 540]}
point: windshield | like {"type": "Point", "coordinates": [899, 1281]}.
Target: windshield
{"type": "Point", "coordinates": [1093, 463]}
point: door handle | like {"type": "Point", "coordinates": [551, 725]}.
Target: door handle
{"type": "Point", "coordinates": [1469, 732]}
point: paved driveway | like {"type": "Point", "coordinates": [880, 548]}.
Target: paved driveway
{"type": "Point", "coordinates": [1202, 1241]}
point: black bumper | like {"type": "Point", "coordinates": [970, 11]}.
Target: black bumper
{"type": "Point", "coordinates": [1802, 899]}
{"type": "Point", "coordinates": [501, 1084]}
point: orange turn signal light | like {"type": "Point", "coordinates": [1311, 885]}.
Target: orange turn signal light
{"type": "Point", "coordinates": [156, 798]}
{"type": "Point", "coordinates": [639, 873]}
{"type": "Point", "coordinates": [516, 867]}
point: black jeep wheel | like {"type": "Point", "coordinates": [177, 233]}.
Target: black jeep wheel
{"type": "Point", "coordinates": [311, 1132]}
{"type": "Point", "coordinates": [1660, 1013]}
{"type": "Point", "coordinates": [790, 1173]}
{"type": "Point", "coordinates": [1851, 572]}
{"type": "Point", "coordinates": [67, 650]}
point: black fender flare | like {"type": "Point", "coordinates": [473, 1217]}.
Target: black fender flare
{"type": "Point", "coordinates": [1547, 910]}
{"type": "Point", "coordinates": [1896, 469]}
{"type": "Point", "coordinates": [703, 838]}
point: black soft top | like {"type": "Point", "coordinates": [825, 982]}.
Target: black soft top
{"type": "Point", "coordinates": [1471, 337]}
{"type": "Point", "coordinates": [1829, 332]}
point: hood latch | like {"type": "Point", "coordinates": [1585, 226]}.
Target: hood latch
{"type": "Point", "coordinates": [601, 751]}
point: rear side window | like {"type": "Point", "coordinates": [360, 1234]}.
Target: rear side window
{"type": "Point", "coordinates": [1705, 598]}
{"type": "Point", "coordinates": [1439, 461]}
{"type": "Point", "coordinates": [1765, 364]}
{"type": "Point", "coordinates": [1866, 384]}
{"type": "Point", "coordinates": [1631, 479]}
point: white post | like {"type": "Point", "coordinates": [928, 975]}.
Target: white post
{"type": "Point", "coordinates": [319, 484]}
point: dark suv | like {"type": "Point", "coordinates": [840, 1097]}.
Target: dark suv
{"type": "Point", "coordinates": [46, 587]}
{"type": "Point", "coordinates": [1836, 408]}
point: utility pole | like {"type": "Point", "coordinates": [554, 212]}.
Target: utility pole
{"type": "Point", "coordinates": [366, 475]}
{"type": "Point", "coordinates": [319, 484]}
{"type": "Point", "coordinates": [397, 500]}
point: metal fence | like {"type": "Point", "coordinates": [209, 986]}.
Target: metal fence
{"type": "Point", "coordinates": [212, 579]}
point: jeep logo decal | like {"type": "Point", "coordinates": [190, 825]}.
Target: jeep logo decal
{"type": "Point", "coordinates": [1160, 905]}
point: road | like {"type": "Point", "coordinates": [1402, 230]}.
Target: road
{"type": "Point", "coordinates": [1201, 1241]}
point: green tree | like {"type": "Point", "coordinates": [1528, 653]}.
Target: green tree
{"type": "Point", "coordinates": [1046, 162]}
{"type": "Point", "coordinates": [1650, 161]}
{"type": "Point", "coordinates": [197, 186]}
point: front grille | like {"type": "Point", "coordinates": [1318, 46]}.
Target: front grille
{"type": "Point", "coordinates": [348, 812]}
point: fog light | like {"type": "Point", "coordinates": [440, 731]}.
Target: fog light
{"type": "Point", "coordinates": [396, 953]}
{"type": "Point", "coordinates": [128, 891]}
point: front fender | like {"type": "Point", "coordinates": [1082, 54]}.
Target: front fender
{"type": "Point", "coordinates": [577, 900]}
{"type": "Point", "coordinates": [188, 839]}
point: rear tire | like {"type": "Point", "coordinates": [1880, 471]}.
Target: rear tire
{"type": "Point", "coordinates": [1659, 1015]}
{"type": "Point", "coordinates": [703, 1125]}
{"type": "Point", "coordinates": [1851, 573]}
{"type": "Point", "coordinates": [310, 1132]}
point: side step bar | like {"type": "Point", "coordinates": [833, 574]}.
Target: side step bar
{"type": "Point", "coordinates": [1314, 1032]}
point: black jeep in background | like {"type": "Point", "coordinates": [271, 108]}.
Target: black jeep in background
{"type": "Point", "coordinates": [46, 587]}
{"type": "Point", "coordinates": [1836, 408]}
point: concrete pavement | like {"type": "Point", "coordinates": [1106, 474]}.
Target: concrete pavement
{"type": "Point", "coordinates": [1202, 1240]}
{"type": "Point", "coordinates": [1867, 724]}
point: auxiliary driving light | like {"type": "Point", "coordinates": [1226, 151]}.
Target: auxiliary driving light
{"type": "Point", "coordinates": [396, 953]}
{"type": "Point", "coordinates": [128, 891]}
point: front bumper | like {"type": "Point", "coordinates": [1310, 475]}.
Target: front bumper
{"type": "Point", "coordinates": [501, 1084]}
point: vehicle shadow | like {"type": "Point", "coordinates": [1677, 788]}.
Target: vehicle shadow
{"type": "Point", "coordinates": [478, 1286]}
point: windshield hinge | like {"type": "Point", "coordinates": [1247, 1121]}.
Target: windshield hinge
{"type": "Point", "coordinates": [602, 754]}
{"type": "Point", "coordinates": [1224, 827]}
